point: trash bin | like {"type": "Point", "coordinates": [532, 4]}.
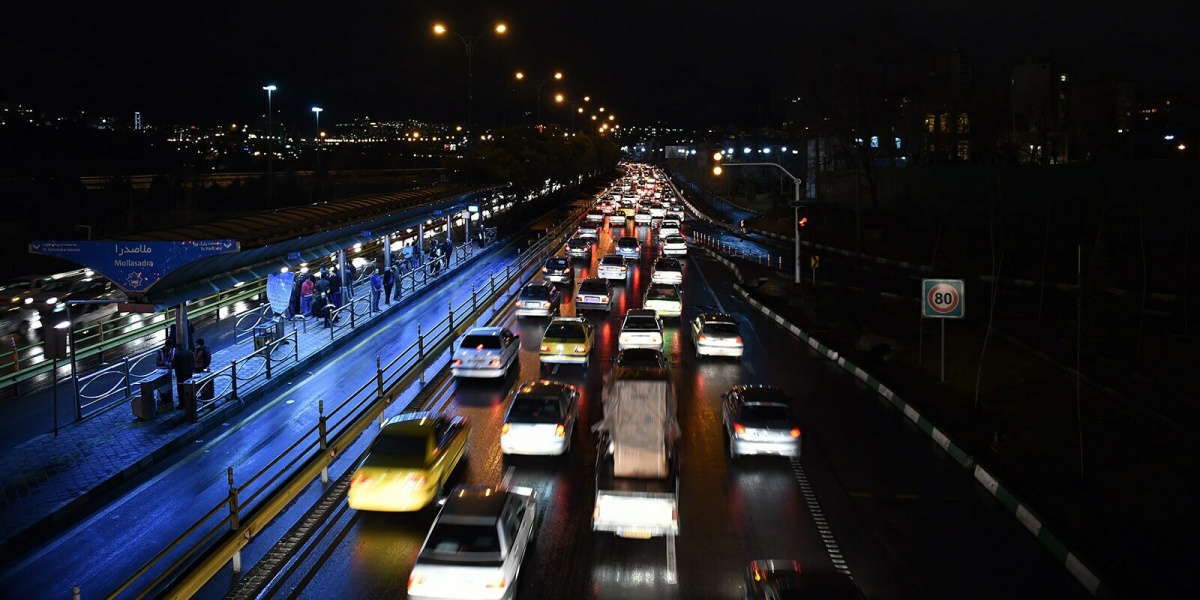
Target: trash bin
{"type": "Point", "coordinates": [187, 398]}
{"type": "Point", "coordinates": [264, 334]}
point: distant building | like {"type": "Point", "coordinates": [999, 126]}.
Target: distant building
{"type": "Point", "coordinates": [137, 121]}
{"type": "Point", "coordinates": [1041, 109]}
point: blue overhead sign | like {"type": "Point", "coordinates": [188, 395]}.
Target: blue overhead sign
{"type": "Point", "coordinates": [134, 266]}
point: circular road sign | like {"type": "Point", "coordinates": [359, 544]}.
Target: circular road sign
{"type": "Point", "coordinates": [943, 299]}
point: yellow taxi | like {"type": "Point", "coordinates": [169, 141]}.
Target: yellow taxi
{"type": "Point", "coordinates": [567, 340]}
{"type": "Point", "coordinates": [408, 463]}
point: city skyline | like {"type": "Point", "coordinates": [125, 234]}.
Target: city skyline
{"type": "Point", "coordinates": [648, 63]}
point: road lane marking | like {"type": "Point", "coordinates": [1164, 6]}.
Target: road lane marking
{"type": "Point", "coordinates": [818, 517]}
{"type": "Point", "coordinates": [672, 573]}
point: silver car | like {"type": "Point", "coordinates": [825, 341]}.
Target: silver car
{"type": "Point", "coordinates": [538, 299]}
{"type": "Point", "coordinates": [716, 335]}
{"type": "Point", "coordinates": [758, 419]}
{"type": "Point", "coordinates": [641, 329]}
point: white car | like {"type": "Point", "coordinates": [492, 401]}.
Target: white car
{"type": "Point", "coordinates": [540, 419]}
{"type": "Point", "coordinates": [616, 218]}
{"type": "Point", "coordinates": [668, 228]}
{"type": "Point", "coordinates": [588, 229]}
{"type": "Point", "coordinates": [485, 352]}
{"type": "Point", "coordinates": [612, 266]}
{"type": "Point", "coordinates": [716, 335]}
{"type": "Point", "coordinates": [641, 329]}
{"type": "Point", "coordinates": [476, 544]}
{"type": "Point", "coordinates": [674, 245]}
{"type": "Point", "coordinates": [667, 270]}
{"type": "Point", "coordinates": [642, 217]}
{"type": "Point", "coordinates": [657, 211]}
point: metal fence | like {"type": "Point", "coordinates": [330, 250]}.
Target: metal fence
{"type": "Point", "coordinates": [218, 535]}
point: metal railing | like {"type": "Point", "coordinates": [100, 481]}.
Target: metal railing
{"type": "Point", "coordinates": [28, 361]}
{"type": "Point", "coordinates": [217, 536]}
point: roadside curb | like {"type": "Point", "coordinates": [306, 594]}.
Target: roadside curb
{"type": "Point", "coordinates": [1023, 513]}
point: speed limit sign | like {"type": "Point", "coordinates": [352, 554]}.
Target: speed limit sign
{"type": "Point", "coordinates": [942, 298]}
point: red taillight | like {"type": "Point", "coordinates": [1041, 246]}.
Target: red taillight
{"type": "Point", "coordinates": [414, 482]}
{"type": "Point", "coordinates": [739, 339]}
{"type": "Point", "coordinates": [414, 581]}
{"type": "Point", "coordinates": [702, 338]}
{"type": "Point", "coordinates": [497, 583]}
{"type": "Point", "coordinates": [457, 362]}
{"type": "Point", "coordinates": [545, 305]}
{"type": "Point", "coordinates": [495, 362]}
{"type": "Point", "coordinates": [360, 478]}
{"type": "Point", "coordinates": [504, 428]}
{"type": "Point", "coordinates": [795, 432]}
{"type": "Point", "coordinates": [545, 348]}
{"type": "Point", "coordinates": [739, 429]}
{"type": "Point", "coordinates": [560, 431]}
{"type": "Point", "coordinates": [604, 298]}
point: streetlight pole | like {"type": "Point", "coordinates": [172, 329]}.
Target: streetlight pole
{"type": "Point", "coordinates": [317, 137]}
{"type": "Point", "coordinates": [270, 147]}
{"type": "Point", "coordinates": [561, 98]}
{"type": "Point", "coordinates": [795, 202]}
{"type": "Point", "coordinates": [538, 87]}
{"type": "Point", "coordinates": [469, 42]}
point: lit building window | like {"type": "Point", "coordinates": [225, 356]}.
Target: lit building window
{"type": "Point", "coordinates": [964, 123]}
{"type": "Point", "coordinates": [964, 150]}
{"type": "Point", "coordinates": [944, 123]}
{"type": "Point", "coordinates": [1063, 77]}
{"type": "Point", "coordinates": [930, 122]}
{"type": "Point", "coordinates": [897, 143]}
{"type": "Point", "coordinates": [874, 141]}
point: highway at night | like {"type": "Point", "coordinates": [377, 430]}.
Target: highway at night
{"type": "Point", "coordinates": [871, 495]}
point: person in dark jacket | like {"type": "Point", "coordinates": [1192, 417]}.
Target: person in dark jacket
{"type": "Point", "coordinates": [389, 280]}
{"type": "Point", "coordinates": [184, 365]}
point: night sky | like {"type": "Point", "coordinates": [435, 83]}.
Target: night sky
{"type": "Point", "coordinates": [687, 63]}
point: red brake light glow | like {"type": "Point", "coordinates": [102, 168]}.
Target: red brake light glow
{"type": "Point", "coordinates": [560, 431]}
{"type": "Point", "coordinates": [795, 432]}
{"type": "Point", "coordinates": [739, 429]}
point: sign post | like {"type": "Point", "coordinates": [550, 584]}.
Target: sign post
{"type": "Point", "coordinates": [814, 261]}
{"type": "Point", "coordinates": [942, 299]}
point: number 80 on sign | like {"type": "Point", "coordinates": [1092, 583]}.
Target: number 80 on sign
{"type": "Point", "coordinates": [942, 298]}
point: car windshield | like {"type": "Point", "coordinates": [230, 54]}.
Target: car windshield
{"type": "Point", "coordinates": [393, 450]}
{"type": "Point", "coordinates": [481, 342]}
{"type": "Point", "coordinates": [641, 324]}
{"type": "Point", "coordinates": [539, 292]}
{"type": "Point", "coordinates": [662, 293]}
{"type": "Point", "coordinates": [557, 263]}
{"type": "Point", "coordinates": [676, 239]}
{"type": "Point", "coordinates": [669, 264]}
{"type": "Point", "coordinates": [592, 287]}
{"type": "Point", "coordinates": [627, 242]}
{"type": "Point", "coordinates": [526, 409]}
{"type": "Point", "coordinates": [765, 415]}
{"type": "Point", "coordinates": [721, 328]}
{"type": "Point", "coordinates": [612, 261]}
{"type": "Point", "coordinates": [468, 542]}
{"type": "Point", "coordinates": [564, 331]}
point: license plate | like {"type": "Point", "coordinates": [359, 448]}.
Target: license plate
{"type": "Point", "coordinates": [637, 534]}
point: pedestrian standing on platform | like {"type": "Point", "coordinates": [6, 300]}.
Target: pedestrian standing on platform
{"type": "Point", "coordinates": [306, 295]}
{"type": "Point", "coordinates": [166, 354]}
{"type": "Point", "coordinates": [376, 290]}
{"type": "Point", "coordinates": [335, 291]}
{"type": "Point", "coordinates": [184, 365]}
{"type": "Point", "coordinates": [389, 280]}
{"type": "Point", "coordinates": [407, 254]}
{"type": "Point", "coordinates": [320, 288]}
{"type": "Point", "coordinates": [203, 356]}
{"type": "Point", "coordinates": [447, 251]}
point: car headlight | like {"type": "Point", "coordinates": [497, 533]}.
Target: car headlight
{"type": "Point", "coordinates": [52, 300]}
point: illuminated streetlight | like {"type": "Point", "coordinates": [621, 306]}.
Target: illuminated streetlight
{"type": "Point", "coordinates": [317, 140]}
{"type": "Point", "coordinates": [559, 98]}
{"type": "Point", "coordinates": [469, 42]}
{"type": "Point", "coordinates": [538, 85]}
{"type": "Point", "coordinates": [270, 145]}
{"type": "Point", "coordinates": [795, 202]}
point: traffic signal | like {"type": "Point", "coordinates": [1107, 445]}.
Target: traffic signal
{"type": "Point", "coordinates": [801, 217]}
